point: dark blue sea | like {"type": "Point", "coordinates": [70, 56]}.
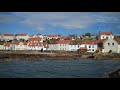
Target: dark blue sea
{"type": "Point", "coordinates": [57, 68]}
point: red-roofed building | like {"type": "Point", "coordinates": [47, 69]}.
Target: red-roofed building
{"type": "Point", "coordinates": [63, 45]}
{"type": "Point", "coordinates": [35, 46]}
{"type": "Point", "coordinates": [33, 40]}
{"type": "Point", "coordinates": [7, 46]}
{"type": "Point", "coordinates": [74, 45]}
{"type": "Point", "coordinates": [106, 35]}
{"type": "Point", "coordinates": [22, 36]}
{"type": "Point", "coordinates": [8, 37]}
{"type": "Point", "coordinates": [53, 44]}
{"type": "Point", "coordinates": [53, 36]}
{"type": "Point", "coordinates": [91, 45]}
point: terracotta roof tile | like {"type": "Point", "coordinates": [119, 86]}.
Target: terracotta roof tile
{"type": "Point", "coordinates": [35, 39]}
{"type": "Point", "coordinates": [25, 43]}
{"type": "Point", "coordinates": [7, 44]}
{"type": "Point", "coordinates": [105, 33]}
{"type": "Point", "coordinates": [21, 34]}
{"type": "Point", "coordinates": [75, 43]}
{"type": "Point", "coordinates": [64, 42]}
{"type": "Point", "coordinates": [89, 42]}
{"type": "Point", "coordinates": [8, 35]}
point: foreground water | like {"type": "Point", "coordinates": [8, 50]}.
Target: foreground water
{"type": "Point", "coordinates": [57, 68]}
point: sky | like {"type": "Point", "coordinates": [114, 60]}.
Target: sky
{"type": "Point", "coordinates": [64, 23]}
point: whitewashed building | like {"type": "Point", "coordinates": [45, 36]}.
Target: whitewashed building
{"type": "Point", "coordinates": [110, 44]}
{"type": "Point", "coordinates": [20, 45]}
{"type": "Point", "coordinates": [63, 45]}
{"type": "Point", "coordinates": [74, 45]}
{"type": "Point", "coordinates": [22, 36]}
{"type": "Point", "coordinates": [106, 35]}
{"type": "Point", "coordinates": [7, 46]}
{"type": "Point", "coordinates": [35, 46]}
{"type": "Point", "coordinates": [8, 37]}
{"type": "Point", "coordinates": [53, 45]}
{"type": "Point", "coordinates": [90, 45]}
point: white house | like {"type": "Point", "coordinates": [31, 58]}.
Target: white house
{"type": "Point", "coordinates": [63, 45]}
{"type": "Point", "coordinates": [53, 36]}
{"type": "Point", "coordinates": [106, 35]}
{"type": "Point", "coordinates": [1, 45]}
{"type": "Point", "coordinates": [90, 45]}
{"type": "Point", "coordinates": [22, 36]}
{"type": "Point", "coordinates": [20, 45]}
{"type": "Point", "coordinates": [8, 37]}
{"type": "Point", "coordinates": [35, 40]}
{"type": "Point", "coordinates": [110, 44]}
{"type": "Point", "coordinates": [74, 45]}
{"type": "Point", "coordinates": [53, 45]}
{"type": "Point", "coordinates": [7, 46]}
{"type": "Point", "coordinates": [35, 46]}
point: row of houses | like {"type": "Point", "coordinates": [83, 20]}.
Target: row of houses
{"type": "Point", "coordinates": [105, 43]}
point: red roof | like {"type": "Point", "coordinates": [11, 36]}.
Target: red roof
{"type": "Point", "coordinates": [105, 33]}
{"type": "Point", "coordinates": [16, 43]}
{"type": "Point", "coordinates": [34, 44]}
{"type": "Point", "coordinates": [64, 42]}
{"type": "Point", "coordinates": [89, 42]}
{"type": "Point", "coordinates": [25, 43]}
{"type": "Point", "coordinates": [34, 39]}
{"type": "Point", "coordinates": [0, 34]}
{"type": "Point", "coordinates": [101, 40]}
{"type": "Point", "coordinates": [21, 34]}
{"type": "Point", "coordinates": [63, 37]}
{"type": "Point", "coordinates": [8, 35]}
{"type": "Point", "coordinates": [75, 43]}
{"type": "Point", "coordinates": [7, 44]}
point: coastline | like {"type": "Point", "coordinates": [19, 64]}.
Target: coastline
{"type": "Point", "coordinates": [36, 55]}
{"type": "Point", "coordinates": [114, 74]}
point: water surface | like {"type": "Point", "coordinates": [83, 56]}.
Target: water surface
{"type": "Point", "coordinates": [57, 68]}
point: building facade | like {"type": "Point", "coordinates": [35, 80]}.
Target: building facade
{"type": "Point", "coordinates": [110, 44]}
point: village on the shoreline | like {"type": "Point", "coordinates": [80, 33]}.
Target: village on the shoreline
{"type": "Point", "coordinates": [105, 42]}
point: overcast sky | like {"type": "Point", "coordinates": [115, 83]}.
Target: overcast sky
{"type": "Point", "coordinates": [59, 22]}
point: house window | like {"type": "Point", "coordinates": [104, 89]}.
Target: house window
{"type": "Point", "coordinates": [92, 49]}
{"type": "Point", "coordinates": [113, 44]}
{"type": "Point", "coordinates": [108, 44]}
{"type": "Point", "coordinates": [103, 36]}
{"type": "Point", "coordinates": [78, 46]}
{"type": "Point", "coordinates": [60, 44]}
{"type": "Point", "coordinates": [85, 46]}
{"type": "Point", "coordinates": [89, 46]}
{"type": "Point", "coordinates": [93, 46]}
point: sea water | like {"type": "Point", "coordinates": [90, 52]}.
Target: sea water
{"type": "Point", "coordinates": [57, 68]}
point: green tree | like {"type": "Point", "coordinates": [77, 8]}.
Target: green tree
{"type": "Point", "coordinates": [87, 34]}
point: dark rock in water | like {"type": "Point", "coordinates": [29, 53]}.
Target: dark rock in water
{"type": "Point", "coordinates": [115, 74]}
{"type": "Point", "coordinates": [90, 57]}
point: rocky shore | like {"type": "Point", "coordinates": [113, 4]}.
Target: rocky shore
{"type": "Point", "coordinates": [114, 74]}
{"type": "Point", "coordinates": [35, 55]}
{"type": "Point", "coordinates": [38, 56]}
